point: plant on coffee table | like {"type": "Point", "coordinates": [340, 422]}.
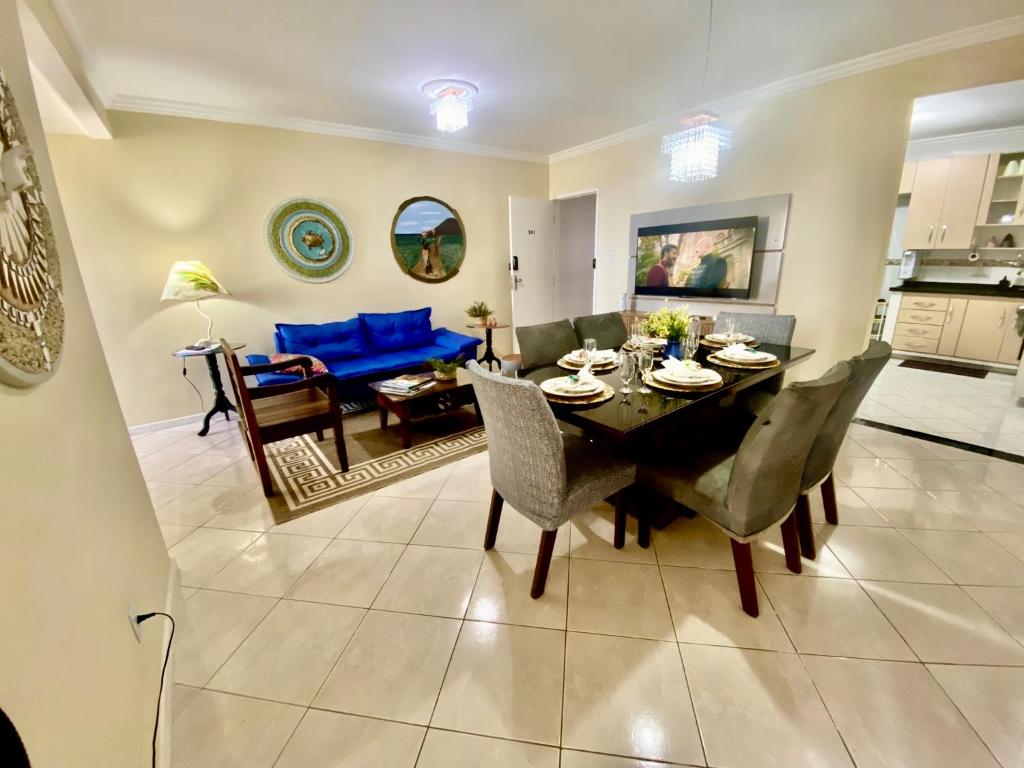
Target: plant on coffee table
{"type": "Point", "coordinates": [444, 370]}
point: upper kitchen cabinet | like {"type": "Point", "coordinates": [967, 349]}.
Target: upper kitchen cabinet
{"type": "Point", "coordinates": [944, 203]}
{"type": "Point", "coordinates": [907, 178]}
{"type": "Point", "coordinates": [1003, 202]}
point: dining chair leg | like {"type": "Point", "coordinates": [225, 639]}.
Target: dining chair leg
{"type": "Point", "coordinates": [643, 528]}
{"type": "Point", "coordinates": [619, 538]}
{"type": "Point", "coordinates": [744, 562]}
{"type": "Point", "coordinates": [791, 543]}
{"type": "Point", "coordinates": [828, 499]}
{"type": "Point", "coordinates": [804, 527]}
{"type": "Point", "coordinates": [493, 519]}
{"type": "Point", "coordinates": [540, 572]}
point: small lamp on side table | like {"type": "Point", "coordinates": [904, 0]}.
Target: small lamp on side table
{"type": "Point", "coordinates": [193, 281]}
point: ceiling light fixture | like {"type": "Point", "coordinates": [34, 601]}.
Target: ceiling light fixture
{"type": "Point", "coordinates": [694, 151]}
{"type": "Point", "coordinates": [450, 103]}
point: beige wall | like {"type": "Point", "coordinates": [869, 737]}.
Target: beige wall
{"type": "Point", "coordinates": [78, 538]}
{"type": "Point", "coordinates": [172, 188]}
{"type": "Point", "coordinates": [837, 148]}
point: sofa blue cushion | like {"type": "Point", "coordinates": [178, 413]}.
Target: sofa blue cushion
{"type": "Point", "coordinates": [391, 331]}
{"type": "Point", "coordinates": [328, 341]}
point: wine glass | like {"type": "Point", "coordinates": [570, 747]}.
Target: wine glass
{"type": "Point", "coordinates": [589, 347]}
{"type": "Point", "coordinates": [627, 370]}
{"type": "Point", "coordinates": [690, 343]}
{"type": "Point", "coordinates": [730, 327]}
{"type": "Point", "coordinates": [644, 363]}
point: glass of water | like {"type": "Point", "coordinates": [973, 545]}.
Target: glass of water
{"type": "Point", "coordinates": [627, 370]}
{"type": "Point", "coordinates": [644, 364]}
{"type": "Point", "coordinates": [589, 347]}
{"type": "Point", "coordinates": [730, 326]}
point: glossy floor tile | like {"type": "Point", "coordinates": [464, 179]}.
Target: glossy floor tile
{"type": "Point", "coordinates": [624, 599]}
{"type": "Point", "coordinates": [333, 740]}
{"type": "Point", "coordinates": [447, 749]}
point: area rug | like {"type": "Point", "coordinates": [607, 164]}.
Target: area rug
{"type": "Point", "coordinates": [307, 474]}
{"type": "Point", "coordinates": [959, 370]}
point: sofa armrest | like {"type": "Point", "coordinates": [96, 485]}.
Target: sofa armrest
{"type": "Point", "coordinates": [457, 342]}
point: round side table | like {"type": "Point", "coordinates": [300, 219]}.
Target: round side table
{"type": "Point", "coordinates": [489, 357]}
{"type": "Point", "coordinates": [221, 404]}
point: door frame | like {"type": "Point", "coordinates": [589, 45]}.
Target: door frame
{"type": "Point", "coordinates": [597, 199]}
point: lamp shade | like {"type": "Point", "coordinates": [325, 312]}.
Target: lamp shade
{"type": "Point", "coordinates": [189, 281]}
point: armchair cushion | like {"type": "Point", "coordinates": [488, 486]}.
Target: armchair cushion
{"type": "Point", "coordinates": [326, 341]}
{"type": "Point", "coordinates": [387, 332]}
{"type": "Point", "coordinates": [281, 357]}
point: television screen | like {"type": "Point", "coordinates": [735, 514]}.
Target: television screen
{"type": "Point", "coordinates": [701, 258]}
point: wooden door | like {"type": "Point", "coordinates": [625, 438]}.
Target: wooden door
{"type": "Point", "coordinates": [963, 197]}
{"type": "Point", "coordinates": [925, 210]}
{"type": "Point", "coordinates": [1009, 352]}
{"type": "Point", "coordinates": [531, 229]}
{"type": "Point", "coordinates": [982, 333]}
{"type": "Point", "coordinates": [951, 326]}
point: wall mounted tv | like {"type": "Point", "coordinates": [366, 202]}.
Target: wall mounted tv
{"type": "Point", "coordinates": [700, 258]}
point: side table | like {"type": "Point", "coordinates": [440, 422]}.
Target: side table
{"type": "Point", "coordinates": [221, 404]}
{"type": "Point", "coordinates": [489, 357]}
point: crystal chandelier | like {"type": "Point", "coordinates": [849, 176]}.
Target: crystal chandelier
{"type": "Point", "coordinates": [451, 101]}
{"type": "Point", "coordinates": [694, 151]}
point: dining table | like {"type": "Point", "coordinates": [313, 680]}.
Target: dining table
{"type": "Point", "coordinates": [627, 419]}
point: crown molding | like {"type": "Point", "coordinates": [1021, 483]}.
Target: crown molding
{"type": "Point", "coordinates": [225, 115]}
{"type": "Point", "coordinates": [983, 33]}
{"type": "Point", "coordinates": [973, 142]}
{"type": "Point", "coordinates": [67, 20]}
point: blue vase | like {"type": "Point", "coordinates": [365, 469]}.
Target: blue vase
{"type": "Point", "coordinates": [674, 349]}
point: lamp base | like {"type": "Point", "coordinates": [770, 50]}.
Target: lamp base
{"type": "Point", "coordinates": [206, 343]}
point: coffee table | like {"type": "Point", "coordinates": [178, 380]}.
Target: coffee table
{"type": "Point", "coordinates": [442, 397]}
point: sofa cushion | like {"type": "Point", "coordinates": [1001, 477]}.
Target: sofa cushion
{"type": "Point", "coordinates": [327, 341]}
{"type": "Point", "coordinates": [391, 331]}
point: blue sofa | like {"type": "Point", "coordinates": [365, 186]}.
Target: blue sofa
{"type": "Point", "coordinates": [368, 347]}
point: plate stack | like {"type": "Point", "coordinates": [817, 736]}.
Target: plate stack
{"type": "Point", "coordinates": [646, 343]}
{"type": "Point", "coordinates": [723, 340]}
{"type": "Point", "coordinates": [740, 356]}
{"type": "Point", "coordinates": [573, 391]}
{"type": "Point", "coordinates": [601, 360]}
{"type": "Point", "coordinates": [684, 378]}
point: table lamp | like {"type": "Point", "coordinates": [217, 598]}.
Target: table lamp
{"type": "Point", "coordinates": [193, 281]}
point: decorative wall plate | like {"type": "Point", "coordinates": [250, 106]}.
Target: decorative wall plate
{"type": "Point", "coordinates": [309, 239]}
{"type": "Point", "coordinates": [428, 239]}
{"type": "Point", "coordinates": [31, 304]}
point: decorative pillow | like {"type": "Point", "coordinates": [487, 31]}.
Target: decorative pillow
{"type": "Point", "coordinates": [328, 341]}
{"type": "Point", "coordinates": [280, 357]}
{"type": "Point", "coordinates": [391, 331]}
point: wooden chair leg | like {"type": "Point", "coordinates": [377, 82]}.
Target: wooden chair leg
{"type": "Point", "coordinates": [804, 528]}
{"type": "Point", "coordinates": [791, 543]}
{"type": "Point", "coordinates": [619, 538]}
{"type": "Point", "coordinates": [828, 498]}
{"type": "Point", "coordinates": [493, 519]}
{"type": "Point", "coordinates": [263, 470]}
{"type": "Point", "coordinates": [319, 435]}
{"type": "Point", "coordinates": [643, 528]}
{"type": "Point", "coordinates": [744, 562]}
{"type": "Point", "coordinates": [540, 572]}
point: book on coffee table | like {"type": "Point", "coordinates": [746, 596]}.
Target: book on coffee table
{"type": "Point", "coordinates": [408, 384]}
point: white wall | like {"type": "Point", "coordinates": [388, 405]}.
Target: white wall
{"type": "Point", "coordinates": [78, 537]}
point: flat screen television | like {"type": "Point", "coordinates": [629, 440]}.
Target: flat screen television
{"type": "Point", "coordinates": [700, 258]}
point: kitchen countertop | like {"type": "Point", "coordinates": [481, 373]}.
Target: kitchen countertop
{"type": "Point", "coordinates": [962, 289]}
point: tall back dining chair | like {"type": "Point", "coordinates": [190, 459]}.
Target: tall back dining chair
{"type": "Point", "coordinates": [544, 344]}
{"type": "Point", "coordinates": [545, 475]}
{"type": "Point", "coordinates": [748, 489]}
{"type": "Point", "coordinates": [768, 329]}
{"type": "Point", "coordinates": [608, 330]}
{"type": "Point", "coordinates": [864, 369]}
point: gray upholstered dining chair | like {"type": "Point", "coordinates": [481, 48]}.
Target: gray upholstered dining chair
{"type": "Point", "coordinates": [745, 491]}
{"type": "Point", "coordinates": [608, 330]}
{"type": "Point", "coordinates": [545, 475]}
{"type": "Point", "coordinates": [544, 344]}
{"type": "Point", "coordinates": [768, 329]}
{"type": "Point", "coordinates": [864, 369]}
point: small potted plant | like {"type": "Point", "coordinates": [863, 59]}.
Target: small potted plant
{"type": "Point", "coordinates": [673, 325]}
{"type": "Point", "coordinates": [445, 370]}
{"type": "Point", "coordinates": [479, 311]}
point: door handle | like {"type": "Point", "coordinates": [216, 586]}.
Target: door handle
{"type": "Point", "coordinates": [949, 314]}
{"type": "Point", "coordinates": [515, 263]}
{"type": "Point", "coordinates": [942, 237]}
{"type": "Point", "coordinates": [931, 232]}
{"type": "Point", "coordinates": [1002, 319]}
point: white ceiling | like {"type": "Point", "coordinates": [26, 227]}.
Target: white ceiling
{"type": "Point", "coordinates": [974, 109]}
{"type": "Point", "coordinates": [552, 74]}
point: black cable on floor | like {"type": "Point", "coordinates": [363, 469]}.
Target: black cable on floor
{"type": "Point", "coordinates": [163, 672]}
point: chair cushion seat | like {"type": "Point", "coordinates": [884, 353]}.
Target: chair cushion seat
{"type": "Point", "coordinates": [292, 406]}
{"type": "Point", "coordinates": [592, 475]}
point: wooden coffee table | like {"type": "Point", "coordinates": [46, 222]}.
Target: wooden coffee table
{"type": "Point", "coordinates": [442, 397]}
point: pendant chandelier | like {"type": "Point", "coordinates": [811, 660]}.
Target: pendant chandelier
{"type": "Point", "coordinates": [693, 152]}
{"type": "Point", "coordinates": [450, 103]}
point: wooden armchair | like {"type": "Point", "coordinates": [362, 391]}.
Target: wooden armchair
{"type": "Point", "coordinates": [279, 411]}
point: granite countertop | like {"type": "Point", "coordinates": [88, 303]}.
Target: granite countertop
{"type": "Point", "coordinates": [963, 289]}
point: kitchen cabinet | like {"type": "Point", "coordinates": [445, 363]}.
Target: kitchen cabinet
{"type": "Point", "coordinates": [944, 203]}
{"type": "Point", "coordinates": [907, 178]}
{"type": "Point", "coordinates": [983, 333]}
{"type": "Point", "coordinates": [1010, 348]}
{"type": "Point", "coordinates": [951, 326]}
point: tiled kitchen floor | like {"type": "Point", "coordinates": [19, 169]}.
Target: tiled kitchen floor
{"type": "Point", "coordinates": [378, 633]}
{"type": "Point", "coordinates": [978, 411]}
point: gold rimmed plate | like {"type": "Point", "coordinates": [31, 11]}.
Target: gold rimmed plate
{"type": "Point", "coordinates": [573, 365]}
{"type": "Point", "coordinates": [664, 386]}
{"type": "Point", "coordinates": [713, 358]}
{"type": "Point", "coordinates": [711, 377]}
{"type": "Point", "coordinates": [604, 394]}
{"type": "Point", "coordinates": [718, 345]}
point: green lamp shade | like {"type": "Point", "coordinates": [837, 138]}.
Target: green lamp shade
{"type": "Point", "coordinates": [189, 281]}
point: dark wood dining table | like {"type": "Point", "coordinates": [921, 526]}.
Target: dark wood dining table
{"type": "Point", "coordinates": [627, 419]}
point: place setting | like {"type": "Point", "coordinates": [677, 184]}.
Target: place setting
{"type": "Point", "coordinates": [599, 360]}
{"type": "Point", "coordinates": [683, 376]}
{"type": "Point", "coordinates": [580, 388]}
{"type": "Point", "coordinates": [743, 357]}
{"type": "Point", "coordinates": [723, 340]}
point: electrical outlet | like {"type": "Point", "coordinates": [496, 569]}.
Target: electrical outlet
{"type": "Point", "coordinates": [136, 629]}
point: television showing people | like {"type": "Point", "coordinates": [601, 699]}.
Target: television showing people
{"type": "Point", "coordinates": [708, 258]}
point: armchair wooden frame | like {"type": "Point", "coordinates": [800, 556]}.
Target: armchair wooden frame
{"type": "Point", "coordinates": [280, 411]}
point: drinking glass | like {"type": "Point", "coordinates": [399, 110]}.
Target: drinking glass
{"type": "Point", "coordinates": [636, 333]}
{"type": "Point", "coordinates": [730, 326]}
{"type": "Point", "coordinates": [589, 347]}
{"type": "Point", "coordinates": [644, 364]}
{"type": "Point", "coordinates": [627, 370]}
{"type": "Point", "coordinates": [690, 344]}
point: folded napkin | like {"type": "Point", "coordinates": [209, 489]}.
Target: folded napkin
{"type": "Point", "coordinates": [597, 356]}
{"type": "Point", "coordinates": [680, 366]}
{"type": "Point", "coordinates": [687, 371]}
{"type": "Point", "coordinates": [741, 352]}
{"type": "Point", "coordinates": [582, 381]}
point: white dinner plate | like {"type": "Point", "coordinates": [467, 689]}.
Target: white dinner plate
{"type": "Point", "coordinates": [560, 386]}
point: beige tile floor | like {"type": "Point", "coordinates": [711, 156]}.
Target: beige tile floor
{"type": "Point", "coordinates": [378, 633]}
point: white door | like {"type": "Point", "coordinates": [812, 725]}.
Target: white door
{"type": "Point", "coordinates": [531, 228]}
